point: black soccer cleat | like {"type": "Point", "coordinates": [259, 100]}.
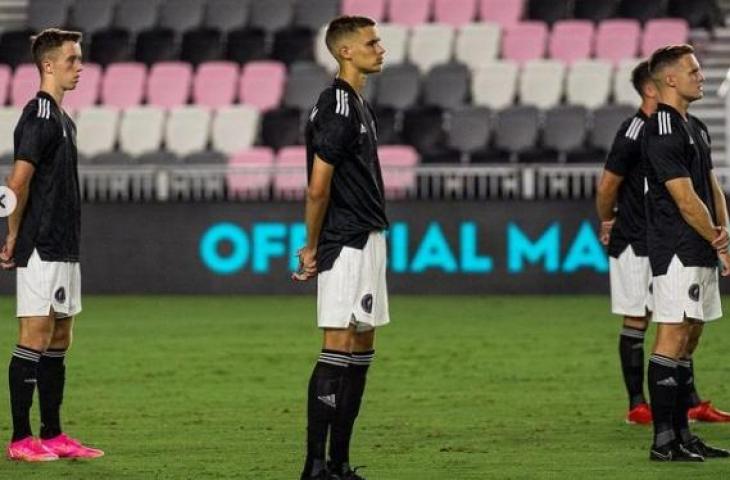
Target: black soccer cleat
{"type": "Point", "coordinates": [674, 452]}
{"type": "Point", "coordinates": [344, 472]}
{"type": "Point", "coordinates": [698, 447]}
{"type": "Point", "coordinates": [316, 471]}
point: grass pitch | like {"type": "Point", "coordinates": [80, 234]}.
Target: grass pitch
{"type": "Point", "coordinates": [462, 388]}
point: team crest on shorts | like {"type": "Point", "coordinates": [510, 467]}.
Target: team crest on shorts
{"type": "Point", "coordinates": [694, 292]}
{"type": "Point", "coordinates": [60, 295]}
{"type": "Point", "coordinates": [367, 303]}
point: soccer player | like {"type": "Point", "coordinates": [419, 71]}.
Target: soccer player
{"type": "Point", "coordinates": [345, 250]}
{"type": "Point", "coordinates": [687, 237]}
{"type": "Point", "coordinates": [43, 245]}
{"type": "Point", "coordinates": [620, 205]}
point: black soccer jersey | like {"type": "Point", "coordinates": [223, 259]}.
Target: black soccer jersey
{"type": "Point", "coordinates": [46, 137]}
{"type": "Point", "coordinates": [624, 159]}
{"type": "Point", "coordinates": [342, 131]}
{"type": "Point", "coordinates": [676, 148]}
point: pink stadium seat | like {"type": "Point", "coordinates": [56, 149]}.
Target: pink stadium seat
{"type": "Point", "coordinates": [571, 40]}
{"type": "Point", "coordinates": [507, 13]}
{"type": "Point", "coordinates": [123, 85]}
{"type": "Point", "coordinates": [5, 79]}
{"type": "Point", "coordinates": [215, 84]}
{"type": "Point", "coordinates": [86, 92]}
{"type": "Point", "coordinates": [617, 39]}
{"type": "Point", "coordinates": [26, 82]}
{"type": "Point", "coordinates": [246, 182]}
{"type": "Point", "coordinates": [524, 41]}
{"type": "Point", "coordinates": [262, 84]}
{"type": "Point", "coordinates": [663, 31]}
{"type": "Point", "coordinates": [374, 9]}
{"type": "Point", "coordinates": [455, 12]}
{"type": "Point", "coordinates": [399, 174]}
{"type": "Point", "coordinates": [409, 12]}
{"type": "Point", "coordinates": [169, 83]}
{"type": "Point", "coordinates": [290, 178]}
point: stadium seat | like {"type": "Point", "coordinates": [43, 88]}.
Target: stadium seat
{"type": "Point", "coordinates": [506, 13]}
{"type": "Point", "coordinates": [660, 32]}
{"type": "Point", "coordinates": [26, 83]}
{"type": "Point", "coordinates": [430, 44]}
{"type": "Point", "coordinates": [186, 130]}
{"type": "Point", "coordinates": [226, 15]}
{"type": "Point", "coordinates": [14, 47]}
{"type": "Point", "coordinates": [374, 9]}
{"type": "Point", "coordinates": [245, 45]}
{"type": "Point", "coordinates": [524, 41]}
{"type": "Point", "coordinates": [114, 159]}
{"type": "Point", "coordinates": [469, 130]}
{"type": "Point", "coordinates": [495, 85]}
{"type": "Point", "coordinates": [394, 39]}
{"type": "Point", "coordinates": [541, 83]}
{"type": "Point", "coordinates": [96, 130]}
{"type": "Point", "coordinates": [9, 117]}
{"type": "Point", "coordinates": [282, 127]}
{"type": "Point", "coordinates": [47, 13]}
{"type": "Point", "coordinates": [182, 15]}
{"type": "Point", "coordinates": [6, 76]}
{"type": "Point", "coordinates": [86, 92]}
{"type": "Point", "coordinates": [589, 83]}
{"type": "Point", "coordinates": [215, 84]}
{"type": "Point", "coordinates": [643, 10]}
{"type": "Point", "coordinates": [617, 39]}
{"type": "Point", "coordinates": [251, 171]}
{"type": "Point", "coordinates": [262, 84]}
{"type": "Point", "coordinates": [110, 46]}
{"type": "Point", "coordinates": [390, 124]}
{"type": "Point", "coordinates": [410, 13]}
{"type": "Point", "coordinates": [322, 54]}
{"type": "Point", "coordinates": [398, 87]}
{"type": "Point", "coordinates": [595, 10]}
{"type": "Point", "coordinates": [571, 40]}
{"type": "Point", "coordinates": [201, 45]}
{"type": "Point", "coordinates": [90, 16]}
{"type": "Point", "coordinates": [313, 14]}
{"type": "Point", "coordinates": [137, 15]}
{"type": "Point", "coordinates": [156, 45]}
{"type": "Point", "coordinates": [398, 164]}
{"type": "Point", "coordinates": [624, 92]}
{"type": "Point", "coordinates": [446, 86]}
{"type": "Point", "coordinates": [271, 15]}
{"type": "Point", "coordinates": [290, 177]}
{"type": "Point", "coordinates": [123, 85]}
{"type": "Point", "coordinates": [606, 121]}
{"type": "Point", "coordinates": [517, 131]}
{"type": "Point", "coordinates": [204, 157]}
{"type": "Point", "coordinates": [565, 131]}
{"type": "Point", "coordinates": [141, 130]}
{"type": "Point", "coordinates": [477, 44]}
{"type": "Point", "coordinates": [698, 13]}
{"type": "Point", "coordinates": [234, 128]}
{"type": "Point", "coordinates": [304, 84]}
{"type": "Point", "coordinates": [293, 44]}
{"type": "Point", "coordinates": [168, 84]}
{"type": "Point", "coordinates": [423, 128]}
{"type": "Point", "coordinates": [456, 13]}
{"type": "Point", "coordinates": [551, 11]}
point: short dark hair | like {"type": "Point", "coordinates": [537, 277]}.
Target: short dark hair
{"type": "Point", "coordinates": [640, 76]}
{"type": "Point", "coordinates": [344, 25]}
{"type": "Point", "coordinates": [48, 40]}
{"type": "Point", "coordinates": [665, 56]}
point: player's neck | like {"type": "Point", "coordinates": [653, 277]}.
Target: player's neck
{"type": "Point", "coordinates": [354, 78]}
{"type": "Point", "coordinates": [679, 104]}
{"type": "Point", "coordinates": [54, 91]}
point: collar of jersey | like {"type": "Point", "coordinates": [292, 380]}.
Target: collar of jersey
{"type": "Point", "coordinates": [670, 109]}
{"type": "Point", "coordinates": [48, 96]}
{"type": "Point", "coordinates": [343, 84]}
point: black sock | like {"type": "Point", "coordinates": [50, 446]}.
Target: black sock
{"type": "Point", "coordinates": [352, 389]}
{"type": "Point", "coordinates": [684, 382]}
{"type": "Point", "coordinates": [694, 397]}
{"type": "Point", "coordinates": [631, 351]}
{"type": "Point", "coordinates": [323, 397]}
{"type": "Point", "coordinates": [22, 377]}
{"type": "Point", "coordinates": [51, 380]}
{"type": "Point", "coordinates": [662, 379]}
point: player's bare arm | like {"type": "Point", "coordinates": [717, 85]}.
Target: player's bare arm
{"type": "Point", "coordinates": [608, 188]}
{"type": "Point", "coordinates": [19, 183]}
{"type": "Point", "coordinates": [693, 211]}
{"type": "Point", "coordinates": [723, 239]}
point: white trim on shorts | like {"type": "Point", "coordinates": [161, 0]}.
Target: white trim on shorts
{"type": "Point", "coordinates": [354, 290]}
{"type": "Point", "coordinates": [691, 292]}
{"type": "Point", "coordinates": [42, 286]}
{"type": "Point", "coordinates": [630, 277]}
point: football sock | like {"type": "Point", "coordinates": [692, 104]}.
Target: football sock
{"type": "Point", "coordinates": [22, 377]}
{"type": "Point", "coordinates": [662, 379]}
{"type": "Point", "coordinates": [51, 380]}
{"type": "Point", "coordinates": [631, 351]}
{"type": "Point", "coordinates": [682, 405]}
{"type": "Point", "coordinates": [352, 388]}
{"type": "Point", "coordinates": [694, 397]}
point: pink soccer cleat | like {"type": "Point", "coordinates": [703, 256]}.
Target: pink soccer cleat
{"type": "Point", "coordinates": [67, 447]}
{"type": "Point", "coordinates": [29, 449]}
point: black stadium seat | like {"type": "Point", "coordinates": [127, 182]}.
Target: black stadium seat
{"type": "Point", "coordinates": [565, 133]}
{"type": "Point", "coordinates": [517, 133]}
{"type": "Point", "coordinates": [15, 47]}
{"type": "Point", "coordinates": [201, 45]}
{"type": "Point", "coordinates": [157, 45]}
{"type": "Point", "coordinates": [390, 124]}
{"type": "Point", "coordinates": [595, 10]}
{"type": "Point", "coordinates": [226, 15]}
{"type": "Point", "coordinates": [643, 10]}
{"type": "Point", "coordinates": [293, 44]}
{"type": "Point", "coordinates": [423, 128]}
{"type": "Point", "coordinates": [398, 87]}
{"type": "Point", "coordinates": [281, 127]}
{"type": "Point", "coordinates": [606, 121]}
{"type": "Point", "coordinates": [446, 86]}
{"type": "Point", "coordinates": [469, 131]}
{"type": "Point", "coordinates": [110, 46]}
{"type": "Point", "coordinates": [698, 13]}
{"type": "Point", "coordinates": [549, 11]}
{"type": "Point", "coordinates": [246, 44]}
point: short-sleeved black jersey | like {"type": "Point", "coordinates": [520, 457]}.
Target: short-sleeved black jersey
{"type": "Point", "coordinates": [676, 148]}
{"type": "Point", "coordinates": [624, 160]}
{"type": "Point", "coordinates": [342, 131]}
{"type": "Point", "coordinates": [46, 137]}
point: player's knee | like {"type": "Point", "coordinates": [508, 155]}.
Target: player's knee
{"type": "Point", "coordinates": [61, 339]}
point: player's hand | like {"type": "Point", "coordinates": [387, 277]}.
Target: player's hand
{"type": "Point", "coordinates": [6, 254]}
{"type": "Point", "coordinates": [722, 241]}
{"type": "Point", "coordinates": [307, 264]}
{"type": "Point", "coordinates": [724, 258]}
{"type": "Point", "coordinates": [605, 234]}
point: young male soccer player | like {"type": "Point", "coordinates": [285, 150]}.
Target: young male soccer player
{"type": "Point", "coordinates": [624, 231]}
{"type": "Point", "coordinates": [687, 236]}
{"type": "Point", "coordinates": [345, 218]}
{"type": "Point", "coordinates": [43, 244]}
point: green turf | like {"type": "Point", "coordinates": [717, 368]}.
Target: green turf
{"type": "Point", "coordinates": [462, 388]}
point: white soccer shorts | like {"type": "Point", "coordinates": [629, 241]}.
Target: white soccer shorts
{"type": "Point", "coordinates": [630, 284]}
{"type": "Point", "coordinates": [354, 290]}
{"type": "Point", "coordinates": [691, 292]}
{"type": "Point", "coordinates": [44, 285]}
